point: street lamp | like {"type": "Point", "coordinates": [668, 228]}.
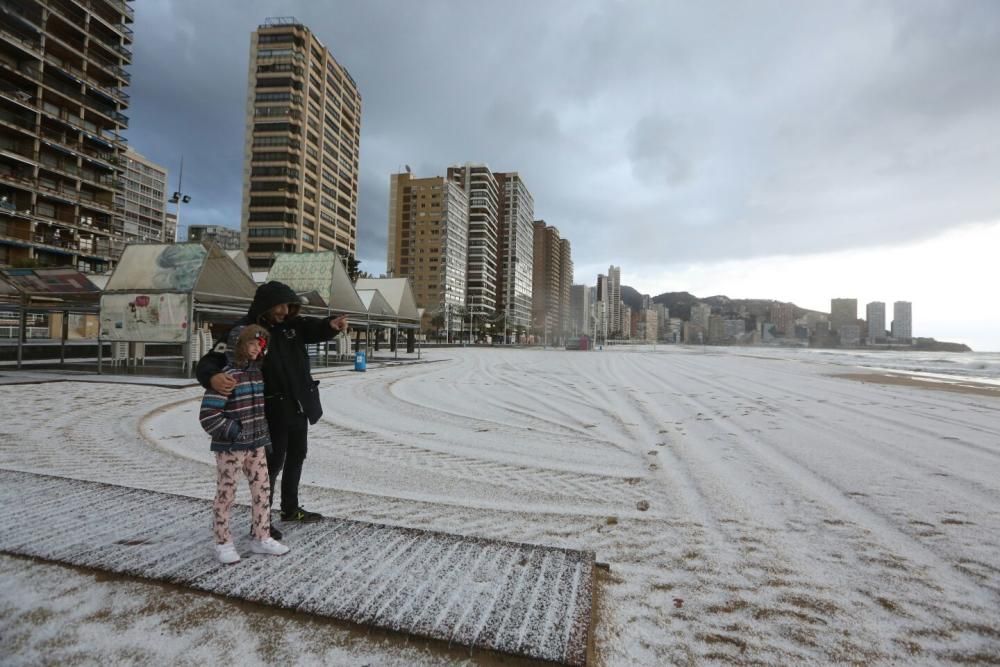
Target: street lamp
{"type": "Point", "coordinates": [178, 199]}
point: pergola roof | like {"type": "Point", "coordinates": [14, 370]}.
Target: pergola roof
{"type": "Point", "coordinates": [397, 293]}
{"type": "Point", "coordinates": [240, 258]}
{"type": "Point", "coordinates": [186, 268]}
{"type": "Point", "coordinates": [376, 303]}
{"type": "Point", "coordinates": [56, 285]}
{"type": "Point", "coordinates": [322, 272]}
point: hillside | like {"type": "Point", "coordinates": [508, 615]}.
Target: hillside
{"type": "Point", "coordinates": [679, 303]}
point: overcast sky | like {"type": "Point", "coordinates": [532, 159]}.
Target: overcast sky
{"type": "Point", "coordinates": [787, 150]}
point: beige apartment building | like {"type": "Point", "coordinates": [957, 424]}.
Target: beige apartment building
{"type": "Point", "coordinates": [782, 315]}
{"type": "Point", "coordinates": [428, 243]}
{"type": "Point", "coordinates": [62, 98]}
{"type": "Point", "coordinates": [549, 300]}
{"type": "Point", "coordinates": [565, 287]}
{"type": "Point", "coordinates": [843, 312]}
{"type": "Point", "coordinates": [300, 185]}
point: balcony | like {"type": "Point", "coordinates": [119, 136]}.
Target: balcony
{"type": "Point", "coordinates": [57, 191]}
{"type": "Point", "coordinates": [16, 153]}
{"type": "Point", "coordinates": [112, 115]}
{"type": "Point", "coordinates": [30, 20]}
{"type": "Point", "coordinates": [70, 245]}
{"type": "Point", "coordinates": [122, 7]}
{"type": "Point", "coordinates": [62, 115]}
{"type": "Point", "coordinates": [24, 122]}
{"type": "Point", "coordinates": [114, 94]}
{"type": "Point", "coordinates": [74, 14]}
{"type": "Point", "coordinates": [30, 46]}
{"type": "Point", "coordinates": [91, 200]}
{"type": "Point", "coordinates": [60, 167]}
{"type": "Point", "coordinates": [9, 208]}
{"type": "Point", "coordinates": [31, 70]}
{"type": "Point", "coordinates": [104, 181]}
{"type": "Point", "coordinates": [108, 41]}
{"type": "Point", "coordinates": [108, 65]}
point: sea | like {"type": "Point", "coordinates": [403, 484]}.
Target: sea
{"type": "Point", "coordinates": [983, 367]}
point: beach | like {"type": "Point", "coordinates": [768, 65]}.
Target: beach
{"type": "Point", "coordinates": [771, 506]}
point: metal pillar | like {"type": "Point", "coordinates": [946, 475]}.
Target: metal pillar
{"type": "Point", "coordinates": [65, 335]}
{"type": "Point", "coordinates": [22, 332]}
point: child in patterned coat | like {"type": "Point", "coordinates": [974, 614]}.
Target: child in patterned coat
{"type": "Point", "coordinates": [238, 427]}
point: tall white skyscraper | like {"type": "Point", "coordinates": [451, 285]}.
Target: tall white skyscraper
{"type": "Point", "coordinates": [483, 193]}
{"type": "Point", "coordinates": [875, 318]}
{"type": "Point", "coordinates": [515, 250]}
{"type": "Point", "coordinates": [615, 300]}
{"type": "Point", "coordinates": [902, 321]}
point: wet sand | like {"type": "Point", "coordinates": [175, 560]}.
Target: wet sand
{"type": "Point", "coordinates": [904, 380]}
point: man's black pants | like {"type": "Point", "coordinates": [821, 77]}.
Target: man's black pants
{"type": "Point", "coordinates": [288, 450]}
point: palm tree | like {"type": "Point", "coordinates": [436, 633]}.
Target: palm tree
{"type": "Point", "coordinates": [438, 323]}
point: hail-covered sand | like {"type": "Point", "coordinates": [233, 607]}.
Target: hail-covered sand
{"type": "Point", "coordinates": [790, 516]}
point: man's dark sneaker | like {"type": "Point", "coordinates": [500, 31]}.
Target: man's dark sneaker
{"type": "Point", "coordinates": [299, 514]}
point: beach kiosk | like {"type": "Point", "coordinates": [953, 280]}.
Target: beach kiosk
{"type": "Point", "coordinates": [322, 280]}
{"type": "Point", "coordinates": [66, 300]}
{"type": "Point", "coordinates": [169, 293]}
{"type": "Point", "coordinates": [398, 293]}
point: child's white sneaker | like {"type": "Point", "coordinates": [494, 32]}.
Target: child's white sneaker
{"type": "Point", "coordinates": [269, 546]}
{"type": "Point", "coordinates": [226, 553]}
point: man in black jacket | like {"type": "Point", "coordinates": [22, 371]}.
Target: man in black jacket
{"type": "Point", "coordinates": [291, 399]}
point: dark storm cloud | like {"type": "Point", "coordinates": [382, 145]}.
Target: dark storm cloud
{"type": "Point", "coordinates": [647, 132]}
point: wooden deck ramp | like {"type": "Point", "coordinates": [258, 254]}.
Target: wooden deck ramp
{"type": "Point", "coordinates": [514, 598]}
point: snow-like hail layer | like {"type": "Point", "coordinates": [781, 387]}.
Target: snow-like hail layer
{"type": "Point", "coordinates": [789, 516]}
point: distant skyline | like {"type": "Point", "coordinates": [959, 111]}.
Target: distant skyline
{"type": "Point", "coordinates": [762, 150]}
{"type": "Point", "coordinates": [947, 284]}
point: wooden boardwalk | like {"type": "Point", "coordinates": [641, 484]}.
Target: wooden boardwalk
{"type": "Point", "coordinates": [513, 598]}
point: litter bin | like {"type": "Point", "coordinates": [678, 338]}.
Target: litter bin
{"type": "Point", "coordinates": [360, 360]}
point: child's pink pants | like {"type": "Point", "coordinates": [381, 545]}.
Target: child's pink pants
{"type": "Point", "coordinates": [254, 466]}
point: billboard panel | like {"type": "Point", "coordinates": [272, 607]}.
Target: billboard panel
{"type": "Point", "coordinates": [161, 318]}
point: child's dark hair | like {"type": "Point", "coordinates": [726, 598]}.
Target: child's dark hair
{"type": "Point", "coordinates": [249, 333]}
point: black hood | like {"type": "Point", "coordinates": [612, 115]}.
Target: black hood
{"type": "Point", "coordinates": [270, 295]}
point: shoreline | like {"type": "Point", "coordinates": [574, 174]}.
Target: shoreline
{"type": "Point", "coordinates": [906, 380]}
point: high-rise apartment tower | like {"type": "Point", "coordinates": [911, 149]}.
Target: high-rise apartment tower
{"type": "Point", "coordinates": [843, 312]}
{"type": "Point", "coordinates": [615, 324]}
{"type": "Point", "coordinates": [142, 201]}
{"type": "Point", "coordinates": [428, 241]}
{"type": "Point", "coordinates": [875, 319]}
{"type": "Point", "coordinates": [602, 310]}
{"type": "Point", "coordinates": [515, 245]}
{"type": "Point", "coordinates": [483, 192]}
{"type": "Point", "coordinates": [902, 321]}
{"type": "Point", "coordinates": [579, 310]}
{"type": "Point", "coordinates": [300, 187]}
{"type": "Point", "coordinates": [546, 298]}
{"type": "Point", "coordinates": [565, 285]}
{"type": "Point", "coordinates": [62, 98]}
